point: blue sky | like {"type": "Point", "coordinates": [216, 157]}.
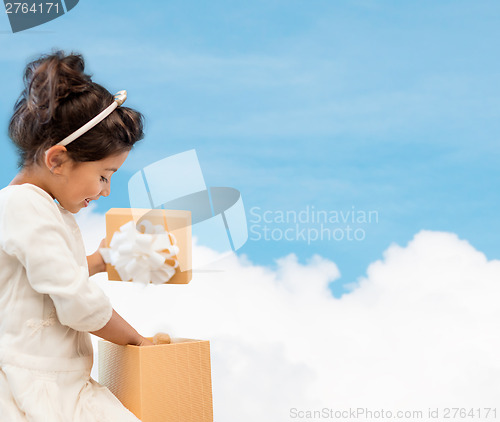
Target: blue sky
{"type": "Point", "coordinates": [387, 106]}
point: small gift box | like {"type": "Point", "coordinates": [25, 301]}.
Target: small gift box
{"type": "Point", "coordinates": [148, 245]}
{"type": "Point", "coordinates": [162, 383]}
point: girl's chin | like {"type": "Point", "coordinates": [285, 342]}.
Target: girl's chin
{"type": "Point", "coordinates": [75, 207]}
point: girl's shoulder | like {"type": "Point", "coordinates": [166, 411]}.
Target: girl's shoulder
{"type": "Point", "coordinates": [17, 195]}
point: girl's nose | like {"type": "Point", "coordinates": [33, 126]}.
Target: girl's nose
{"type": "Point", "coordinates": [106, 191]}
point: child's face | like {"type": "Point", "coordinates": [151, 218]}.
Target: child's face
{"type": "Point", "coordinates": [88, 181]}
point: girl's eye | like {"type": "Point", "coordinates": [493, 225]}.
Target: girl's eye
{"type": "Point", "coordinates": [103, 179]}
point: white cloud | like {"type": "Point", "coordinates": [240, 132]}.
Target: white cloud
{"type": "Point", "coordinates": [420, 330]}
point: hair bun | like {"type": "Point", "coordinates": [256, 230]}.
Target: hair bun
{"type": "Point", "coordinates": [51, 79]}
{"type": "Point", "coordinates": [58, 98]}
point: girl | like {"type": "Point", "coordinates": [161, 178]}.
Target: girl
{"type": "Point", "coordinates": [68, 149]}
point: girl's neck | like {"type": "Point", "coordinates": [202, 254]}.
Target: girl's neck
{"type": "Point", "coordinates": [27, 176]}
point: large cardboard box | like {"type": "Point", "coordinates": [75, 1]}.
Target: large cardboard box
{"type": "Point", "coordinates": [163, 383]}
{"type": "Point", "coordinates": [176, 222]}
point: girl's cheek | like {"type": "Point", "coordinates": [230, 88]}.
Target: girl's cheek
{"type": "Point", "coordinates": [96, 190]}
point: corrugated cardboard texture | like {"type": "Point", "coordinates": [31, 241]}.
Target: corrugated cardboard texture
{"type": "Point", "coordinates": [176, 222]}
{"type": "Point", "coordinates": [163, 383]}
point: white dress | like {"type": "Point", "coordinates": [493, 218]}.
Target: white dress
{"type": "Point", "coordinates": [47, 307]}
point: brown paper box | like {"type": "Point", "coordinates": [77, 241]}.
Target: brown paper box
{"type": "Point", "coordinates": [175, 221]}
{"type": "Point", "coordinates": [163, 383]}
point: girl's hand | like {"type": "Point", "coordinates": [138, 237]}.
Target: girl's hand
{"type": "Point", "coordinates": [95, 262]}
{"type": "Point", "coordinates": [102, 244]}
{"type": "Point", "coordinates": [119, 331]}
{"type": "Point", "coordinates": [145, 342]}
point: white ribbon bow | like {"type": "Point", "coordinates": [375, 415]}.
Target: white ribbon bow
{"type": "Point", "coordinates": [140, 256]}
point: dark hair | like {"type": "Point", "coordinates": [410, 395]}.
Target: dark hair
{"type": "Point", "coordinates": [58, 98]}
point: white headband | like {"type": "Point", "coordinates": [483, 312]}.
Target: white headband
{"type": "Point", "coordinates": [119, 99]}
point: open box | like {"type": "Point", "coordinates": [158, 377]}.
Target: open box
{"type": "Point", "coordinates": [162, 383]}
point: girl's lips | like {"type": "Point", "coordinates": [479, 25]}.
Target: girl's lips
{"type": "Point", "coordinates": [86, 201]}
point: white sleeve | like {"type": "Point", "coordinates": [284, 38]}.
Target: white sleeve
{"type": "Point", "coordinates": [32, 229]}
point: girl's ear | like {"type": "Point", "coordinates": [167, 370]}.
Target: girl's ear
{"type": "Point", "coordinates": [55, 157]}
